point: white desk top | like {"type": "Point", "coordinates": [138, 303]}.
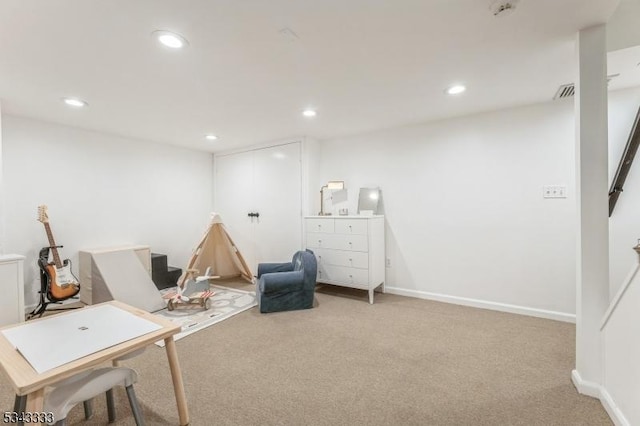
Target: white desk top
{"type": "Point", "coordinates": [60, 339]}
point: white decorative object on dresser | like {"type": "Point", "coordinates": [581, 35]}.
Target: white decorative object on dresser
{"type": "Point", "coordinates": [349, 249]}
{"type": "Point", "coordinates": [12, 279]}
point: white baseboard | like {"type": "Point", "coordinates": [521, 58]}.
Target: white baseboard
{"type": "Point", "coordinates": [612, 409]}
{"type": "Point", "coordinates": [484, 304]}
{"type": "Point", "coordinates": [593, 389]}
{"type": "Point", "coordinates": [584, 387]}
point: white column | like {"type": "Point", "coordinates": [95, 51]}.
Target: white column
{"type": "Point", "coordinates": [592, 260]}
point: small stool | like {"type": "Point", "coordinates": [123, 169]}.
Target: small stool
{"type": "Point", "coordinates": [63, 396]}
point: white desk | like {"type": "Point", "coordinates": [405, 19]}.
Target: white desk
{"type": "Point", "coordinates": [27, 381]}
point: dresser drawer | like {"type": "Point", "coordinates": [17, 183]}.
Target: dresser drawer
{"type": "Point", "coordinates": [320, 225]}
{"type": "Point", "coordinates": [338, 242]}
{"type": "Point", "coordinates": [353, 259]}
{"type": "Point", "coordinates": [351, 226]}
{"type": "Point", "coordinates": [352, 277]}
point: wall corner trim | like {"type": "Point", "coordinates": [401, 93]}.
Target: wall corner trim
{"type": "Point", "coordinates": [484, 304]}
{"type": "Point", "coordinates": [596, 391]}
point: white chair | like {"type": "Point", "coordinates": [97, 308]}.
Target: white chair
{"type": "Point", "coordinates": [20, 402]}
{"type": "Point", "coordinates": [63, 396]}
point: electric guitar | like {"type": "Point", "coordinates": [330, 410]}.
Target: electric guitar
{"type": "Point", "coordinates": [62, 284]}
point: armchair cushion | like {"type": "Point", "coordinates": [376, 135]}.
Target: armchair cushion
{"type": "Point", "coordinates": [281, 282]}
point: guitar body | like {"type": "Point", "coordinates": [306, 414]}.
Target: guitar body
{"type": "Point", "coordinates": [61, 283]}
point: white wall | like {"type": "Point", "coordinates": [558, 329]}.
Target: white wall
{"type": "Point", "coordinates": [624, 224]}
{"type": "Point", "coordinates": [463, 203]}
{"type": "Point", "coordinates": [463, 200]}
{"type": "Point", "coordinates": [101, 191]}
{"type": "Point", "coordinates": [310, 170]}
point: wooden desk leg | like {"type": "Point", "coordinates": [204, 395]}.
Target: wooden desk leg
{"type": "Point", "coordinates": [35, 402]}
{"type": "Point", "coordinates": [176, 376]}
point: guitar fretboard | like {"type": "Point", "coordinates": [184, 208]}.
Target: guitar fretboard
{"type": "Point", "coordinates": [52, 244]}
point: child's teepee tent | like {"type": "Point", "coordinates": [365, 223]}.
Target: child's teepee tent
{"type": "Point", "coordinates": [217, 251]}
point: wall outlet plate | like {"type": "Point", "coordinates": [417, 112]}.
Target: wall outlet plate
{"type": "Point", "coordinates": [554, 191]}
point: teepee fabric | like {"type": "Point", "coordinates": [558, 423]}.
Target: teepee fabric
{"type": "Point", "coordinates": [217, 251]}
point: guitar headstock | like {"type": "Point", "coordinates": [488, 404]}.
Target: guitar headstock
{"type": "Point", "coordinates": [42, 214]}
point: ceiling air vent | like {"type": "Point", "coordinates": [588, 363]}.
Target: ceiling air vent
{"type": "Point", "coordinates": [565, 91]}
{"type": "Point", "coordinates": [568, 90]}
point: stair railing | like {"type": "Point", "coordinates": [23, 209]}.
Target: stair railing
{"type": "Point", "coordinates": [625, 164]}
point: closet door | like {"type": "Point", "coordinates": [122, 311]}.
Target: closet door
{"type": "Point", "coordinates": [268, 182]}
{"type": "Point", "coordinates": [277, 183]}
{"type": "Point", "coordinates": [234, 199]}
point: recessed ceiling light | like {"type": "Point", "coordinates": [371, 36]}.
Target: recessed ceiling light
{"type": "Point", "coordinates": [309, 113]}
{"type": "Point", "coordinates": [75, 102]}
{"type": "Point", "coordinates": [170, 39]}
{"type": "Point", "coordinates": [211, 137]}
{"type": "Point", "coordinates": [456, 89]}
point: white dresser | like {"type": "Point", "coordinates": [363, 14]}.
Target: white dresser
{"type": "Point", "coordinates": [349, 250]}
{"type": "Point", "coordinates": [12, 280]}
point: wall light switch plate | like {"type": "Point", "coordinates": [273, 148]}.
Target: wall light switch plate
{"type": "Point", "coordinates": [554, 191]}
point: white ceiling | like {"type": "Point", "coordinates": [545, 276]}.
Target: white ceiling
{"type": "Point", "coordinates": [363, 64]}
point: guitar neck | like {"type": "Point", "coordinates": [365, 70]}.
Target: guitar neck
{"type": "Point", "coordinates": [52, 244]}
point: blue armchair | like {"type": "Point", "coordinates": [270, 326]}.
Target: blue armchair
{"type": "Point", "coordinates": [287, 286]}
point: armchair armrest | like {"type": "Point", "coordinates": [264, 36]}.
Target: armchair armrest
{"type": "Point", "coordinates": [281, 281]}
{"type": "Point", "coordinates": [267, 268]}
